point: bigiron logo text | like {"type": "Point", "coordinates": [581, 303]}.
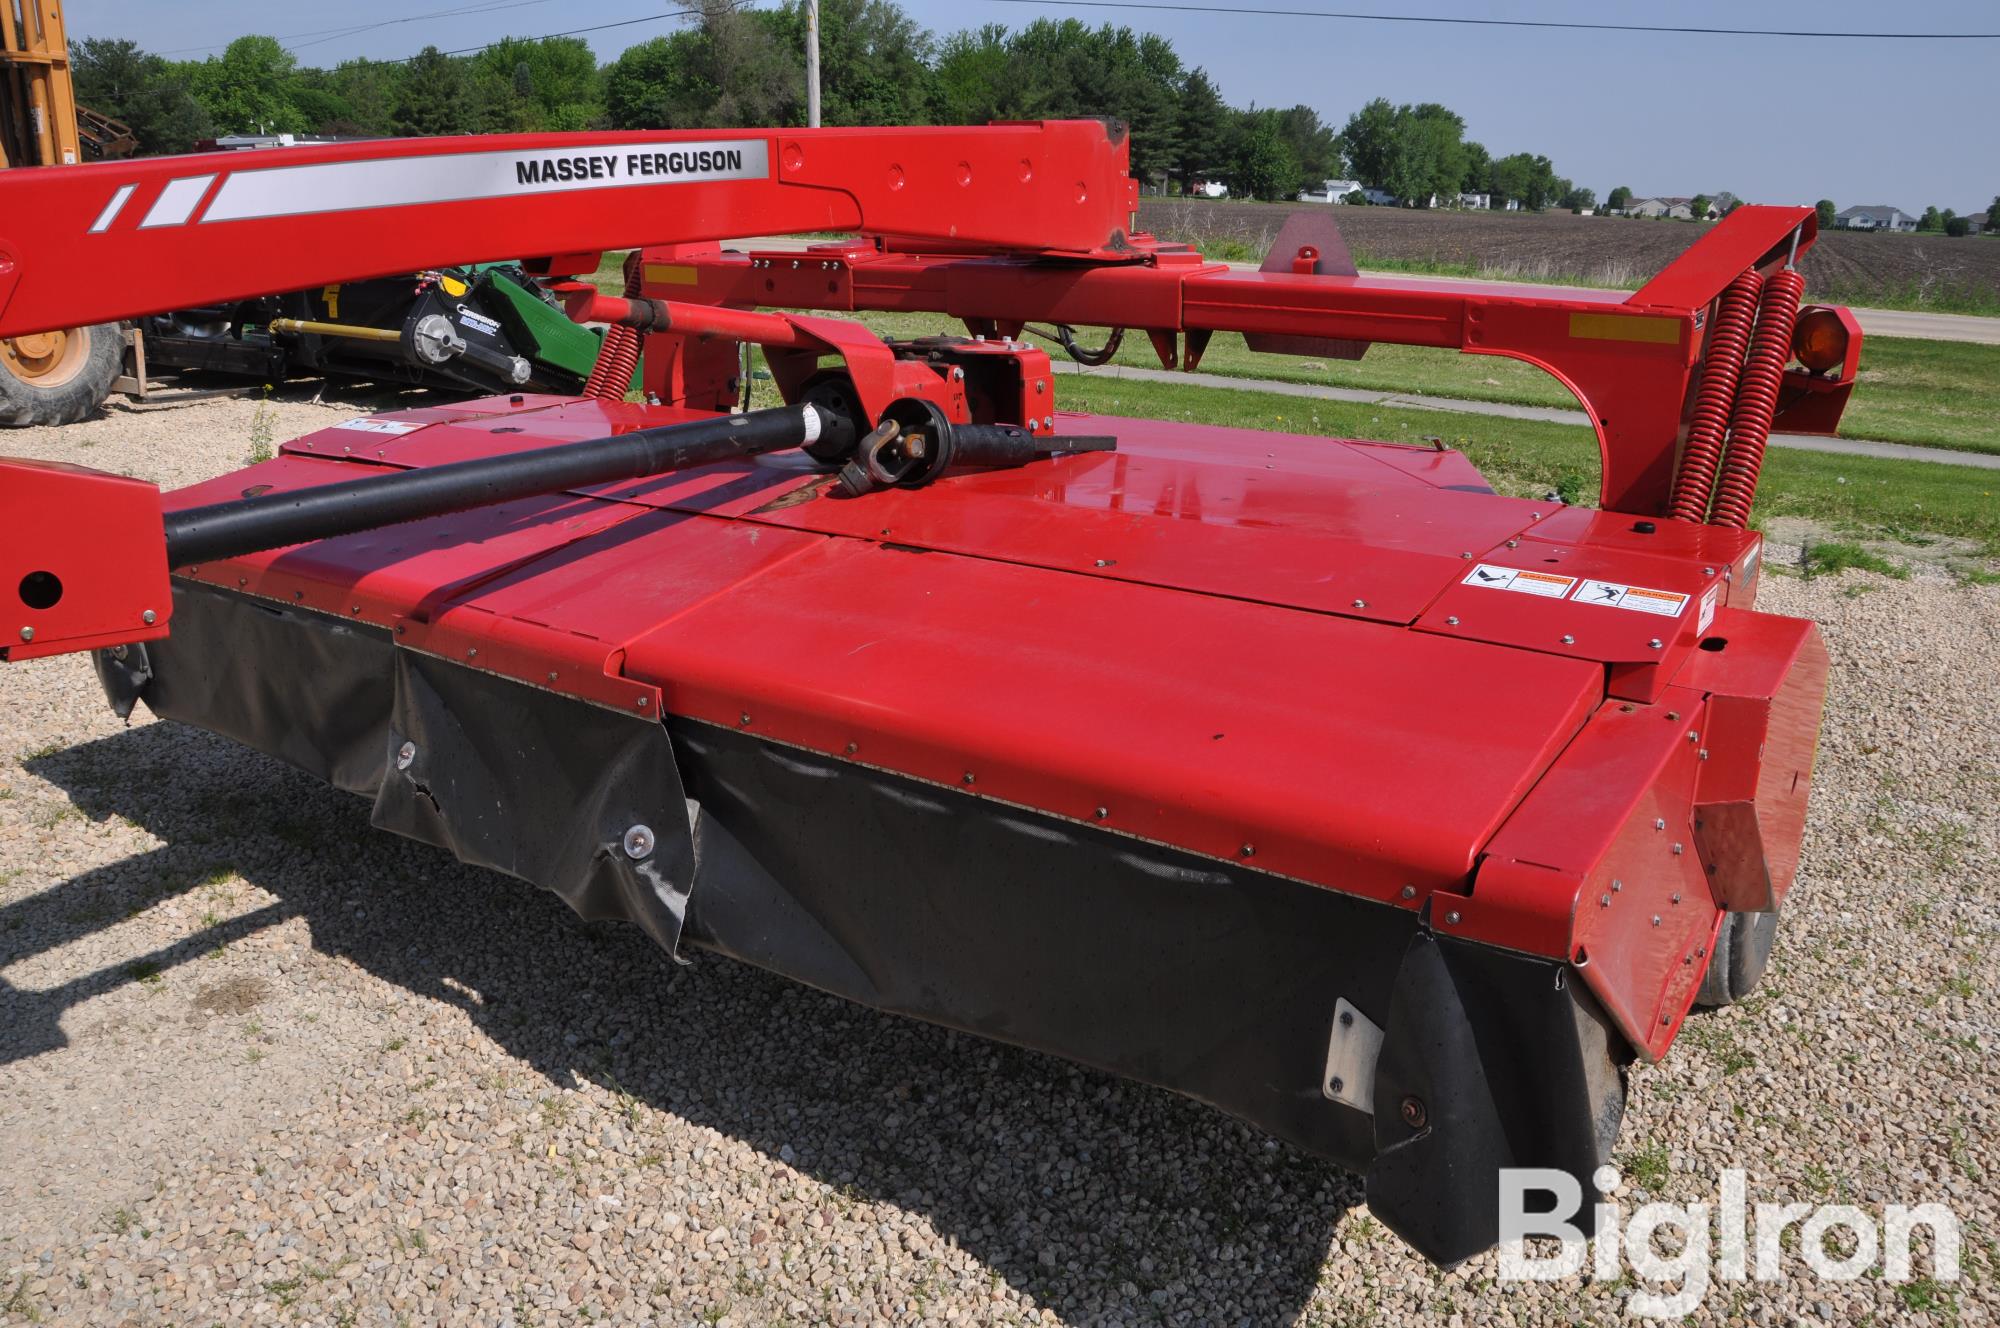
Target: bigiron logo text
{"type": "Point", "coordinates": [633, 165]}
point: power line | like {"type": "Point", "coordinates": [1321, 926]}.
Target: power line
{"type": "Point", "coordinates": [572, 32]}
{"type": "Point", "coordinates": [329, 34]}
{"type": "Point", "coordinates": [1497, 22]}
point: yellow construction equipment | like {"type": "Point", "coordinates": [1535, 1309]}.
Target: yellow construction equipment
{"type": "Point", "coordinates": [51, 377]}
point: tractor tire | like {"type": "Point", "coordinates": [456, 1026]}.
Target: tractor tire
{"type": "Point", "coordinates": [58, 377]}
{"type": "Point", "coordinates": [1742, 949]}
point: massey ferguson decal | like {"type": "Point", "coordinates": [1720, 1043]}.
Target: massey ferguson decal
{"type": "Point", "coordinates": [346, 186]}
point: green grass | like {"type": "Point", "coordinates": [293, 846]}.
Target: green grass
{"type": "Point", "coordinates": [1864, 495]}
{"type": "Point", "coordinates": [1931, 393]}
{"type": "Point", "coordinates": [1832, 557]}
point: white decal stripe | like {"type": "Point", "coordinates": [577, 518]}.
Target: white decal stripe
{"type": "Point", "coordinates": [343, 186]}
{"type": "Point", "coordinates": [110, 213]}
{"type": "Point", "coordinates": [176, 202]}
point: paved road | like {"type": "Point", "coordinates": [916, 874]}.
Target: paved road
{"type": "Point", "coordinates": [1874, 322]}
{"type": "Point", "coordinates": [1546, 414]}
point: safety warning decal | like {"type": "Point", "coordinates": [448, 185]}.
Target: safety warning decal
{"type": "Point", "coordinates": [1708, 602]}
{"type": "Point", "coordinates": [378, 426]}
{"type": "Point", "coordinates": [1665, 603]}
{"type": "Point", "coordinates": [1545, 584]}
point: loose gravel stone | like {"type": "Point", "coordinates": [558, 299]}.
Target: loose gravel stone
{"type": "Point", "coordinates": [262, 1064]}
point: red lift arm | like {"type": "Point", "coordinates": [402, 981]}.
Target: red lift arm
{"type": "Point", "coordinates": [1631, 359]}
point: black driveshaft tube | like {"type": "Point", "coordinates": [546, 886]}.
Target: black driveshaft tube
{"type": "Point", "coordinates": [249, 525]}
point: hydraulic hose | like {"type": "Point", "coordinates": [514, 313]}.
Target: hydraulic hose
{"type": "Point", "coordinates": [1721, 370]}
{"type": "Point", "coordinates": [1757, 398]}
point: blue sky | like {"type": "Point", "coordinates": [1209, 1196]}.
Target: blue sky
{"type": "Point", "coordinates": [1772, 119]}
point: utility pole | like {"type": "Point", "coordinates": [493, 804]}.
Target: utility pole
{"type": "Point", "coordinates": [812, 63]}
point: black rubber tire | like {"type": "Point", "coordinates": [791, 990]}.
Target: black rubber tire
{"type": "Point", "coordinates": [1742, 949]}
{"type": "Point", "coordinates": [24, 403]}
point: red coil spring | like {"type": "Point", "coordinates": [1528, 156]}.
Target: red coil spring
{"type": "Point", "coordinates": [611, 377]}
{"type": "Point", "coordinates": [1757, 398]}
{"type": "Point", "coordinates": [1694, 485]}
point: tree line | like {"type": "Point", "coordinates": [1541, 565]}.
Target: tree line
{"type": "Point", "coordinates": [739, 66]}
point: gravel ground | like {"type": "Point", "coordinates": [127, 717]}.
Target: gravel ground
{"type": "Point", "coordinates": [260, 1064]}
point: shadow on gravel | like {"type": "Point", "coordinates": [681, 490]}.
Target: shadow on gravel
{"type": "Point", "coordinates": [1072, 1185]}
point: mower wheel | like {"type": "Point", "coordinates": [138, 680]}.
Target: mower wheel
{"type": "Point", "coordinates": [1742, 948]}
{"type": "Point", "coordinates": [58, 377]}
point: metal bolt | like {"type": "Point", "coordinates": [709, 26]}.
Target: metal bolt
{"type": "Point", "coordinates": [1604, 901]}
{"type": "Point", "coordinates": [471, 651]}
{"type": "Point", "coordinates": [148, 617]}
{"type": "Point", "coordinates": [1708, 571]}
{"type": "Point", "coordinates": [1676, 899]}
{"type": "Point", "coordinates": [1466, 554]}
{"type": "Point", "coordinates": [1653, 644]}
{"type": "Point", "coordinates": [1513, 544]}
{"type": "Point", "coordinates": [1409, 892]}
{"type": "Point", "coordinates": [1678, 850]}
{"type": "Point", "coordinates": [1248, 850]}
{"type": "Point", "coordinates": [852, 748]}
{"type": "Point", "coordinates": [1703, 753]}
{"type": "Point", "coordinates": [1656, 919]}
{"type": "Point", "coordinates": [968, 777]}
{"type": "Point", "coordinates": [27, 633]}
{"type": "Point", "coordinates": [1700, 951]}
{"type": "Point", "coordinates": [1451, 918]}
{"type": "Point", "coordinates": [1694, 736]}
{"type": "Point", "coordinates": [552, 675]}
{"type": "Point", "coordinates": [1568, 640]}
{"type": "Point", "coordinates": [1414, 1113]}
{"type": "Point", "coordinates": [1617, 887]}
{"type": "Point", "coordinates": [1673, 716]}
{"type": "Point", "coordinates": [1347, 1018]}
{"type": "Point", "coordinates": [639, 842]}
{"type": "Point", "coordinates": [1451, 620]}
{"type": "Point", "coordinates": [406, 756]}
{"type": "Point", "coordinates": [1334, 1085]}
{"type": "Point", "coordinates": [1040, 387]}
{"type": "Point", "coordinates": [1659, 822]}
{"type": "Point", "coordinates": [1666, 1019]}
{"type": "Point", "coordinates": [1360, 603]}
{"type": "Point", "coordinates": [1101, 813]}
{"type": "Point", "coordinates": [643, 702]}
{"type": "Point", "coordinates": [743, 718]}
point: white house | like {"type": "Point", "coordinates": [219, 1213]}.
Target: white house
{"type": "Point", "coordinates": [1672, 208]}
{"type": "Point", "coordinates": [1329, 191]}
{"type": "Point", "coordinates": [1877, 218]}
{"type": "Point", "coordinates": [1208, 189]}
{"type": "Point", "coordinates": [1479, 201]}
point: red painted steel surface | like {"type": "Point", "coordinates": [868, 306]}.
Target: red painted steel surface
{"type": "Point", "coordinates": [110, 240]}
{"type": "Point", "coordinates": [1599, 864]}
{"type": "Point", "coordinates": [70, 584]}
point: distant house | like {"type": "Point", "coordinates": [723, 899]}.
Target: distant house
{"type": "Point", "coordinates": [1381, 198]}
{"type": "Point", "coordinates": [1208, 189]}
{"type": "Point", "coordinates": [1329, 191]}
{"type": "Point", "coordinates": [1876, 218]}
{"type": "Point", "coordinates": [1672, 207]}
{"type": "Point", "coordinates": [1975, 221]}
{"type": "Point", "coordinates": [1479, 201]}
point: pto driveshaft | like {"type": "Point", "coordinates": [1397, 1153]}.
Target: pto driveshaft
{"type": "Point", "coordinates": [249, 525]}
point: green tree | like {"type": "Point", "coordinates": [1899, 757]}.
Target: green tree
{"type": "Point", "coordinates": [1618, 199]}
{"type": "Point", "coordinates": [1699, 207]}
{"type": "Point", "coordinates": [116, 78]}
{"type": "Point", "coordinates": [434, 97]}
{"type": "Point", "coordinates": [1369, 142]}
{"type": "Point", "coordinates": [1993, 216]}
{"type": "Point", "coordinates": [1315, 146]}
{"type": "Point", "coordinates": [1478, 167]}
{"type": "Point", "coordinates": [974, 80]}
{"type": "Point", "coordinates": [1827, 213]}
{"type": "Point", "coordinates": [551, 83]}
{"type": "Point", "coordinates": [1932, 220]}
{"type": "Point", "coordinates": [1957, 226]}
{"type": "Point", "coordinates": [1203, 124]}
{"type": "Point", "coordinates": [1579, 200]}
{"type": "Point", "coordinates": [247, 89]}
{"type": "Point", "coordinates": [1262, 164]}
{"type": "Point", "coordinates": [875, 62]}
